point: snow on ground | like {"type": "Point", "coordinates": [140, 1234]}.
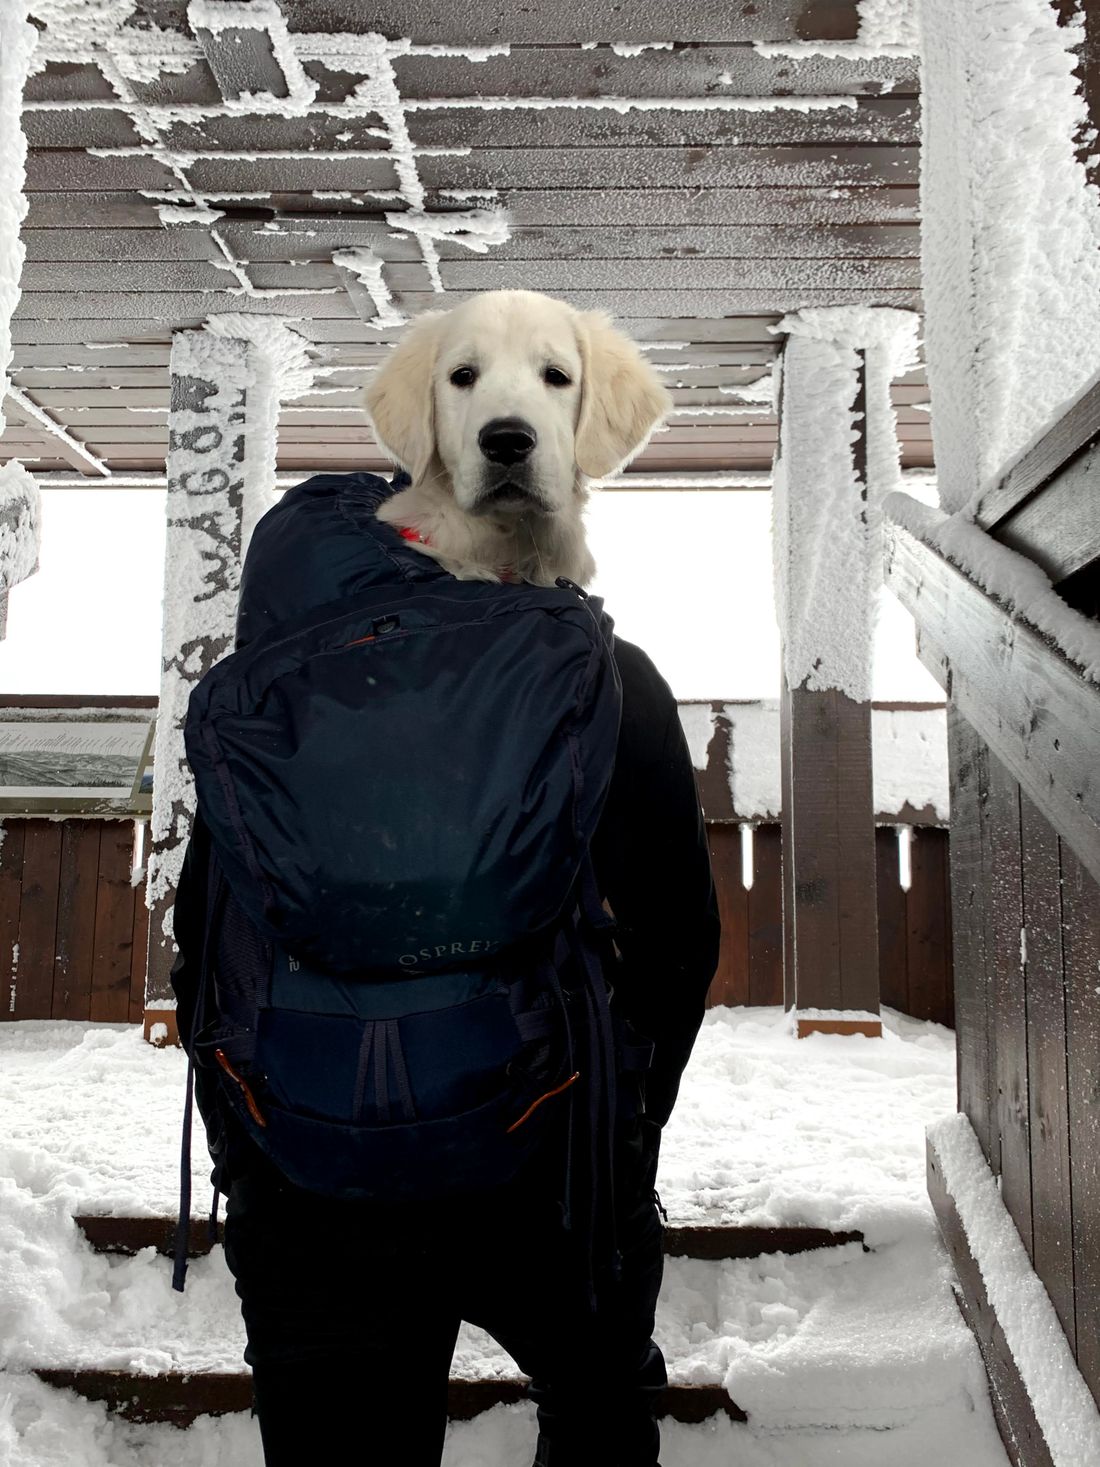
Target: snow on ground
{"type": "Point", "coordinates": [824, 1350]}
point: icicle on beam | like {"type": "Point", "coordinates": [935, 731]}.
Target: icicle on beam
{"type": "Point", "coordinates": [20, 508]}
{"type": "Point", "coordinates": [221, 461]}
{"type": "Point", "coordinates": [837, 456]}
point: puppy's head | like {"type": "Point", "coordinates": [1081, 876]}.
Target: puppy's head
{"type": "Point", "coordinates": [511, 400]}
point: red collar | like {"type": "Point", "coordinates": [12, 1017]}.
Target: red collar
{"type": "Point", "coordinates": [407, 532]}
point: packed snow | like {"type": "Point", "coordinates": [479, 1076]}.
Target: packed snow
{"type": "Point", "coordinates": [843, 1355]}
{"type": "Point", "coordinates": [909, 754]}
{"type": "Point", "coordinates": [1063, 1406]}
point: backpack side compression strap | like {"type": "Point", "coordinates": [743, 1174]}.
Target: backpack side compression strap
{"type": "Point", "coordinates": [215, 891]}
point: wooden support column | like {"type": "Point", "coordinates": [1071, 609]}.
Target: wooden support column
{"type": "Point", "coordinates": [221, 464]}
{"type": "Point", "coordinates": [837, 455]}
{"type": "Point", "coordinates": [20, 511]}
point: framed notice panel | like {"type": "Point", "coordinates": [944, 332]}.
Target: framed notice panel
{"type": "Point", "coordinates": [76, 761]}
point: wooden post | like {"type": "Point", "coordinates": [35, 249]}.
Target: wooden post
{"type": "Point", "coordinates": [221, 463]}
{"type": "Point", "coordinates": [20, 512]}
{"type": "Point", "coordinates": [837, 455]}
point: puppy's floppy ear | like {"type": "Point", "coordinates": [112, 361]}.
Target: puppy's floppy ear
{"type": "Point", "coordinates": [400, 400]}
{"type": "Point", "coordinates": [622, 397]}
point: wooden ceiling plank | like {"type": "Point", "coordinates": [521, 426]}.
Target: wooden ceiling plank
{"type": "Point", "coordinates": [657, 167]}
{"type": "Point", "coordinates": [667, 276]}
{"type": "Point", "coordinates": [243, 60]}
{"type": "Point", "coordinates": [257, 171]}
{"type": "Point", "coordinates": [324, 131]}
{"type": "Point", "coordinates": [496, 168]}
{"type": "Point", "coordinates": [442, 22]}
{"type": "Point", "coordinates": [44, 246]}
{"type": "Point", "coordinates": [749, 328]}
{"type": "Point", "coordinates": [134, 277]}
{"type": "Point", "coordinates": [56, 209]}
{"type": "Point", "coordinates": [552, 208]}
{"type": "Point", "coordinates": [167, 310]}
{"type": "Point", "coordinates": [73, 170]}
{"type": "Point", "coordinates": [878, 121]}
{"type": "Point", "coordinates": [170, 309]}
{"type": "Point", "coordinates": [697, 70]}
{"type": "Point", "coordinates": [315, 239]}
{"type": "Point", "coordinates": [68, 81]}
{"type": "Point", "coordinates": [92, 127]}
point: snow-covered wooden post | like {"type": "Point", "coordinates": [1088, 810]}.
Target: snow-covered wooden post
{"type": "Point", "coordinates": [221, 474]}
{"type": "Point", "coordinates": [20, 513]}
{"type": "Point", "coordinates": [838, 455]}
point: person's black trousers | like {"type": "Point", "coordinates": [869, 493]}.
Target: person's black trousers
{"type": "Point", "coordinates": [352, 1311]}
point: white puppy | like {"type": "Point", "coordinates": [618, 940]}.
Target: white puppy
{"type": "Point", "coordinates": [501, 410]}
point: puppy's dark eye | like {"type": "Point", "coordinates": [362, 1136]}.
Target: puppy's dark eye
{"type": "Point", "coordinates": [463, 377]}
{"type": "Point", "coordinates": [556, 377]}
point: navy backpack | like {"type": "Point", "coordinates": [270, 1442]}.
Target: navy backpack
{"type": "Point", "coordinates": [405, 964]}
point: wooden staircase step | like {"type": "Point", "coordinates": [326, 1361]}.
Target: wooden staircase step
{"type": "Point", "coordinates": [131, 1234]}
{"type": "Point", "coordinates": [694, 1240]}
{"type": "Point", "coordinates": [178, 1397]}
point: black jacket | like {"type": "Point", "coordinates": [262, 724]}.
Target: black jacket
{"type": "Point", "coordinates": [653, 865]}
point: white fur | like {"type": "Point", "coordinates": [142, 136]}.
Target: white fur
{"type": "Point", "coordinates": [585, 430]}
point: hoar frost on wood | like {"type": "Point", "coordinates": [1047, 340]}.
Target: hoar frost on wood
{"type": "Point", "coordinates": [1011, 233]}
{"type": "Point", "coordinates": [217, 16]}
{"type": "Point", "coordinates": [827, 519]}
{"type": "Point", "coordinates": [1017, 583]}
{"type": "Point", "coordinates": [886, 28]}
{"type": "Point", "coordinates": [1063, 1405]}
{"type": "Point", "coordinates": [20, 526]}
{"type": "Point", "coordinates": [227, 382]}
{"type": "Point", "coordinates": [20, 507]}
{"type": "Point", "coordinates": [75, 29]}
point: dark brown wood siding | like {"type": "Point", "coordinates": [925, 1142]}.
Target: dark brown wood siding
{"type": "Point", "coordinates": [914, 925]}
{"type": "Point", "coordinates": [73, 931]}
{"type": "Point", "coordinates": [1027, 925]}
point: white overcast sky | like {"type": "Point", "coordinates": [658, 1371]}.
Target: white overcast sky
{"type": "Point", "coordinates": [687, 575]}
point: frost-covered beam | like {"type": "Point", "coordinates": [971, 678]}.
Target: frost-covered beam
{"type": "Point", "coordinates": [221, 465]}
{"type": "Point", "coordinates": [20, 510]}
{"type": "Point", "coordinates": [838, 454]}
{"type": "Point", "coordinates": [1022, 666]}
{"type": "Point", "coordinates": [1010, 249]}
{"type": "Point", "coordinates": [248, 48]}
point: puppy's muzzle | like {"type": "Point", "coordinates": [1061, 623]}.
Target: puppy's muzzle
{"type": "Point", "coordinates": [508, 443]}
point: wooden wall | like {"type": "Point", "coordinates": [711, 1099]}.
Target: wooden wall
{"type": "Point", "coordinates": [914, 926]}
{"type": "Point", "coordinates": [82, 929]}
{"type": "Point", "coordinates": [1027, 946]}
{"type": "Point", "coordinates": [73, 931]}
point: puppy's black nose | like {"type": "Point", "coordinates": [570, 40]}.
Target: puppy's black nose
{"type": "Point", "coordinates": [506, 440]}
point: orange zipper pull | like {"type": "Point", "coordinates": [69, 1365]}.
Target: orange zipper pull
{"type": "Point", "coordinates": [536, 1103]}
{"type": "Point", "coordinates": [249, 1098]}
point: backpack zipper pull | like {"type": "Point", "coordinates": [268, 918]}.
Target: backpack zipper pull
{"type": "Point", "coordinates": [249, 1098]}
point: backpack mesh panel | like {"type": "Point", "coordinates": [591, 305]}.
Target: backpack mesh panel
{"type": "Point", "coordinates": [242, 963]}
